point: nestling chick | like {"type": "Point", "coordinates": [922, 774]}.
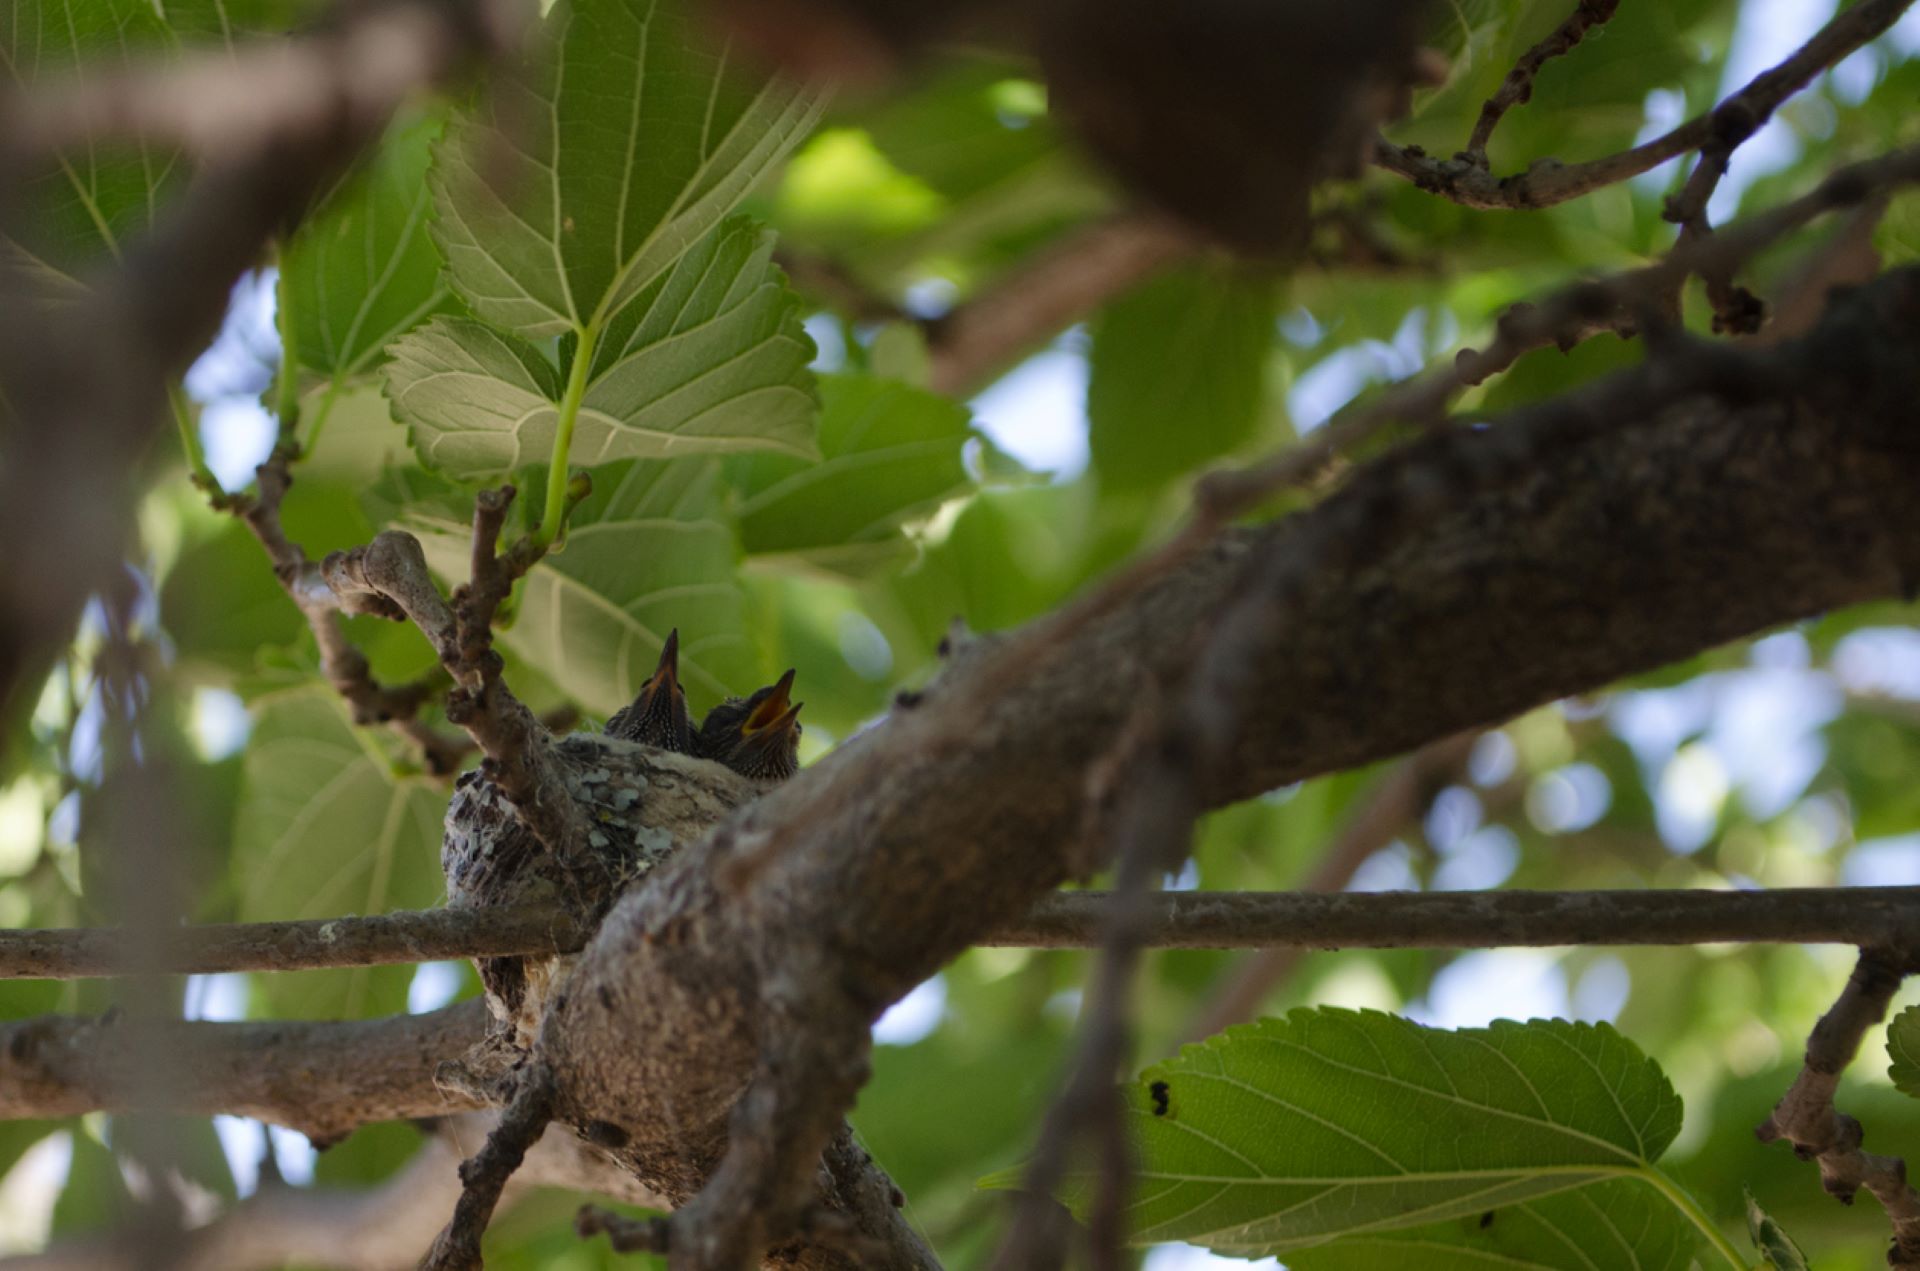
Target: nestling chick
{"type": "Point", "coordinates": [756, 736]}
{"type": "Point", "coordinates": [659, 715]}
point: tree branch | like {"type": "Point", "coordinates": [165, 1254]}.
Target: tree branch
{"type": "Point", "coordinates": [1314, 919]}
{"type": "Point", "coordinates": [1548, 181]}
{"type": "Point", "coordinates": [424, 936]}
{"type": "Point", "coordinates": [323, 1079]}
{"type": "Point", "coordinates": [1517, 88]}
{"type": "Point", "coordinates": [1806, 1117]}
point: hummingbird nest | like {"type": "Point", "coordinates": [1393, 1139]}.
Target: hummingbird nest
{"type": "Point", "coordinates": [643, 804]}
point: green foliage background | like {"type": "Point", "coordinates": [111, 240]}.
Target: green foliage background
{"type": "Point", "coordinates": [837, 518]}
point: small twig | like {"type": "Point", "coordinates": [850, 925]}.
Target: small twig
{"type": "Point", "coordinates": [345, 667]}
{"type": "Point", "coordinates": [1517, 88]}
{"type": "Point", "coordinates": [426, 936]}
{"type": "Point", "coordinates": [485, 1174]}
{"type": "Point", "coordinates": [1806, 1117]}
{"type": "Point", "coordinates": [1549, 181]}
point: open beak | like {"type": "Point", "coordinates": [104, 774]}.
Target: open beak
{"type": "Point", "coordinates": [775, 710]}
{"type": "Point", "coordinates": [666, 676]}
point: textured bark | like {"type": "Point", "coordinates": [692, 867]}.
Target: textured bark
{"type": "Point", "coordinates": [320, 1079]}
{"type": "Point", "coordinates": [1782, 493]}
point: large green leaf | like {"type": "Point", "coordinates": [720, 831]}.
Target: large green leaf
{"type": "Point", "coordinates": [1620, 1225]}
{"type": "Point", "coordinates": [1291, 1133]}
{"type": "Point", "coordinates": [890, 452]}
{"type": "Point", "coordinates": [627, 141]}
{"type": "Point", "coordinates": [1177, 375]}
{"type": "Point", "coordinates": [363, 270]}
{"type": "Point", "coordinates": [647, 552]}
{"type": "Point", "coordinates": [325, 827]}
{"type": "Point", "coordinates": [710, 357]}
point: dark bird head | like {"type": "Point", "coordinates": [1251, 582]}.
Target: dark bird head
{"type": "Point", "coordinates": [757, 736]}
{"type": "Point", "coordinates": [659, 716]}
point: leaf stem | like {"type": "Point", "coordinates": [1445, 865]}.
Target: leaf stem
{"type": "Point", "coordinates": [552, 518]}
{"type": "Point", "coordinates": [201, 475]}
{"type": "Point", "coordinates": [286, 407]}
{"type": "Point", "coordinates": [1683, 1200]}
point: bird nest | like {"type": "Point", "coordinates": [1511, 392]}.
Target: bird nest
{"type": "Point", "coordinates": [643, 804]}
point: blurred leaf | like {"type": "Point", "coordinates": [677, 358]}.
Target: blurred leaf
{"type": "Point", "coordinates": [363, 270]}
{"type": "Point", "coordinates": [325, 829]}
{"type": "Point", "coordinates": [889, 453]}
{"type": "Point", "coordinates": [221, 603]}
{"type": "Point", "coordinates": [962, 130]}
{"type": "Point", "coordinates": [554, 211]}
{"type": "Point", "coordinates": [1774, 1244]}
{"type": "Point", "coordinates": [74, 213]}
{"type": "Point", "coordinates": [1177, 375]}
{"type": "Point", "coordinates": [709, 357]}
{"type": "Point", "coordinates": [840, 191]}
{"type": "Point", "coordinates": [1279, 1136]}
{"type": "Point", "coordinates": [95, 1196]}
{"type": "Point", "coordinates": [369, 1155]}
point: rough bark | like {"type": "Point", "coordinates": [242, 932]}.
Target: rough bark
{"type": "Point", "coordinates": [322, 1079]}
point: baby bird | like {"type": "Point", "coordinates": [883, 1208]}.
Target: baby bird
{"type": "Point", "coordinates": [659, 716]}
{"type": "Point", "coordinates": [758, 736]}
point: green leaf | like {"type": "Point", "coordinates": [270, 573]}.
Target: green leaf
{"type": "Point", "coordinates": [1622, 1225]}
{"type": "Point", "coordinates": [890, 453]}
{"type": "Point", "coordinates": [1177, 375]}
{"type": "Point", "coordinates": [648, 552]}
{"type": "Point", "coordinates": [325, 829]}
{"type": "Point", "coordinates": [1771, 1239]}
{"type": "Point", "coordinates": [709, 358]}
{"type": "Point", "coordinates": [1903, 1048]}
{"type": "Point", "coordinates": [1290, 1133]}
{"type": "Point", "coordinates": [363, 270]}
{"type": "Point", "coordinates": [628, 140]}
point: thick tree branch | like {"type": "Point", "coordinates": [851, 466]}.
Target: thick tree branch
{"type": "Point", "coordinates": [1806, 1117]}
{"type": "Point", "coordinates": [1548, 181]}
{"type": "Point", "coordinates": [1705, 496]}
{"type": "Point", "coordinates": [323, 1079]}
